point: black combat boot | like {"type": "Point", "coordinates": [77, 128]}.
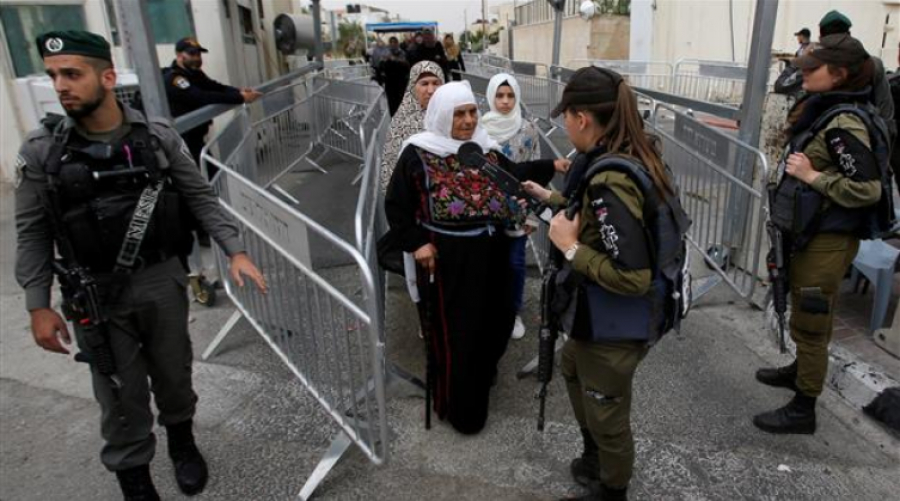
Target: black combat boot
{"type": "Point", "coordinates": [603, 493]}
{"type": "Point", "coordinates": [780, 377]}
{"type": "Point", "coordinates": [797, 417]}
{"type": "Point", "coordinates": [190, 467]}
{"type": "Point", "coordinates": [586, 469]}
{"type": "Point", "coordinates": [136, 484]}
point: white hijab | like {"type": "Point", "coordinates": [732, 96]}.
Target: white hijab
{"type": "Point", "coordinates": [439, 122]}
{"type": "Point", "coordinates": [502, 127]}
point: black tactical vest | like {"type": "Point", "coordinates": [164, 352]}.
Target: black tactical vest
{"type": "Point", "coordinates": [96, 187]}
{"type": "Point", "coordinates": [604, 315]}
{"type": "Point", "coordinates": [796, 208]}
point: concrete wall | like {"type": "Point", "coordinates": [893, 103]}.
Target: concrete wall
{"type": "Point", "coordinates": [604, 37]}
{"type": "Point", "coordinates": [702, 29]}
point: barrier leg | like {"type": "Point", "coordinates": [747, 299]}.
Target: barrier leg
{"type": "Point", "coordinates": [221, 335]}
{"type": "Point", "coordinates": [335, 452]}
{"type": "Point", "coordinates": [700, 286]}
{"type": "Point", "coordinates": [401, 382]}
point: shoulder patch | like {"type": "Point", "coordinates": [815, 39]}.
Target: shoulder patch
{"type": "Point", "coordinates": [181, 82]}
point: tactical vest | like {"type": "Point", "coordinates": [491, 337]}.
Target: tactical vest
{"type": "Point", "coordinates": [796, 208]}
{"type": "Point", "coordinates": [616, 317]}
{"type": "Point", "coordinates": [95, 189]}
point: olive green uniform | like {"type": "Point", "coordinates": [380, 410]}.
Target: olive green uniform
{"type": "Point", "coordinates": [599, 375]}
{"type": "Point", "coordinates": [824, 261]}
{"type": "Point", "coordinates": [147, 309]}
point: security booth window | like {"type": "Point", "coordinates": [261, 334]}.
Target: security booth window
{"type": "Point", "coordinates": [23, 23]}
{"type": "Point", "coordinates": [170, 20]}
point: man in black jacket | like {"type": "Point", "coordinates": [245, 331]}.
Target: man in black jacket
{"type": "Point", "coordinates": [189, 88]}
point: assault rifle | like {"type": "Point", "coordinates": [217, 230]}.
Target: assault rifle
{"type": "Point", "coordinates": [777, 265]}
{"type": "Point", "coordinates": [81, 305]}
{"type": "Point", "coordinates": [547, 336]}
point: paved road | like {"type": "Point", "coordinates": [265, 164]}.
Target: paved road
{"type": "Point", "coordinates": [264, 434]}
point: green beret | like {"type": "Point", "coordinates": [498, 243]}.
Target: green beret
{"type": "Point", "coordinates": [835, 17]}
{"type": "Point", "coordinates": [73, 42]}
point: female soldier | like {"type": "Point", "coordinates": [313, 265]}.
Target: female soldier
{"type": "Point", "coordinates": [830, 173]}
{"type": "Point", "coordinates": [424, 79]}
{"type": "Point", "coordinates": [608, 254]}
{"type": "Point", "coordinates": [519, 141]}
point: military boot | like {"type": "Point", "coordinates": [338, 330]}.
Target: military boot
{"type": "Point", "coordinates": [190, 467]}
{"type": "Point", "coordinates": [797, 417]}
{"type": "Point", "coordinates": [603, 493]}
{"type": "Point", "coordinates": [136, 484]}
{"type": "Point", "coordinates": [586, 469]}
{"type": "Point", "coordinates": [780, 377]}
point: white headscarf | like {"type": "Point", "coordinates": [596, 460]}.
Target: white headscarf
{"type": "Point", "coordinates": [499, 126]}
{"type": "Point", "coordinates": [439, 122]}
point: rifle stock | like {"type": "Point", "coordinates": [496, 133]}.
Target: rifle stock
{"type": "Point", "coordinates": [546, 339]}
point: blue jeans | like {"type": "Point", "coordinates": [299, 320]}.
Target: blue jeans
{"type": "Point", "coordinates": [517, 260]}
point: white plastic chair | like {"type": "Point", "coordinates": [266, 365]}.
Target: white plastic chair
{"type": "Point", "coordinates": [876, 260]}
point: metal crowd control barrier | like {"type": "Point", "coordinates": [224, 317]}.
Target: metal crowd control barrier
{"type": "Point", "coordinates": [330, 340]}
{"type": "Point", "coordinates": [654, 75]}
{"type": "Point", "coordinates": [325, 321]}
{"type": "Point", "coordinates": [353, 73]}
{"type": "Point", "coordinates": [291, 129]}
{"type": "Point", "coordinates": [712, 81]}
{"type": "Point", "coordinates": [717, 175]}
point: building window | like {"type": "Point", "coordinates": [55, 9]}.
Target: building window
{"type": "Point", "coordinates": [247, 25]}
{"type": "Point", "coordinates": [170, 20]}
{"type": "Point", "coordinates": [23, 23]}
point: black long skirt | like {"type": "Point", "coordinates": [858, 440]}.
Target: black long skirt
{"type": "Point", "coordinates": [470, 315]}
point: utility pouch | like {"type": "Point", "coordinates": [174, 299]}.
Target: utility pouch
{"type": "Point", "coordinates": [814, 301]}
{"type": "Point", "coordinates": [566, 283]}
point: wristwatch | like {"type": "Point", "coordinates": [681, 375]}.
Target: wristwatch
{"type": "Point", "coordinates": [570, 252]}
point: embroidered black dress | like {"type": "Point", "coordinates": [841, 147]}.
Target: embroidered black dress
{"type": "Point", "coordinates": [468, 309]}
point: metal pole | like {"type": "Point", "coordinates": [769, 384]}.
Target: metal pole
{"type": "Point", "coordinates": [755, 89]}
{"type": "Point", "coordinates": [758, 71]}
{"type": "Point", "coordinates": [560, 6]}
{"type": "Point", "coordinates": [317, 31]}
{"type": "Point", "coordinates": [510, 26]}
{"type": "Point", "coordinates": [335, 33]}
{"type": "Point", "coordinates": [484, 35]}
{"type": "Point", "coordinates": [509, 37]}
{"type": "Point", "coordinates": [138, 41]}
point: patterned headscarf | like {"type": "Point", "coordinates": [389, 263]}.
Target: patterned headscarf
{"type": "Point", "coordinates": [409, 119]}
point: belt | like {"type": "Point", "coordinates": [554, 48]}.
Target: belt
{"type": "Point", "coordinates": [489, 229]}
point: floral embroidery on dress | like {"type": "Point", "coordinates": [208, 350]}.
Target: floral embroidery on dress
{"type": "Point", "coordinates": [461, 195]}
{"type": "Point", "coordinates": [524, 146]}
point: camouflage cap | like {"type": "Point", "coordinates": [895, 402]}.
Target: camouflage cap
{"type": "Point", "coordinates": [73, 42]}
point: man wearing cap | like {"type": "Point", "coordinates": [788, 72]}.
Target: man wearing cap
{"type": "Point", "coordinates": [107, 190]}
{"type": "Point", "coordinates": [803, 39]}
{"type": "Point", "coordinates": [189, 88]}
{"type": "Point", "coordinates": [834, 23]}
